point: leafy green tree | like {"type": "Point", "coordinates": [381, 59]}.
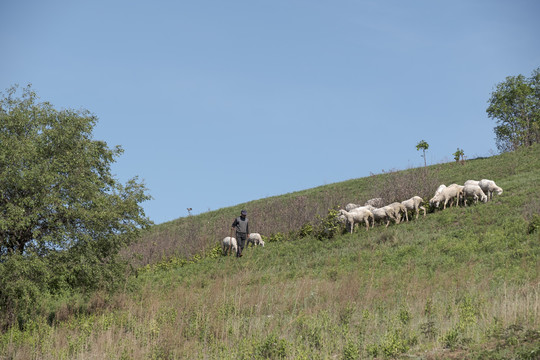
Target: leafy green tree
{"type": "Point", "coordinates": [515, 105]}
{"type": "Point", "coordinates": [56, 186]}
{"type": "Point", "coordinates": [59, 202]}
{"type": "Point", "coordinates": [424, 146]}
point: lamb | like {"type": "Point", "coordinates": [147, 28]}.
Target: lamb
{"type": "Point", "coordinates": [355, 216]}
{"type": "Point", "coordinates": [474, 192]}
{"type": "Point", "coordinates": [414, 204]}
{"type": "Point", "coordinates": [488, 187]}
{"type": "Point", "coordinates": [385, 214]}
{"type": "Point", "coordinates": [255, 239]}
{"type": "Point", "coordinates": [229, 245]}
{"type": "Point", "coordinates": [447, 194]}
{"type": "Point", "coordinates": [375, 202]}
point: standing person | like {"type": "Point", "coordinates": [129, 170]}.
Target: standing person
{"type": "Point", "coordinates": [241, 226]}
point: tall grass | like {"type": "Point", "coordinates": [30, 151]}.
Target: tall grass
{"type": "Point", "coordinates": [460, 283]}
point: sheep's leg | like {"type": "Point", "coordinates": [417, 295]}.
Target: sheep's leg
{"type": "Point", "coordinates": [423, 208]}
{"type": "Point", "coordinates": [367, 223]}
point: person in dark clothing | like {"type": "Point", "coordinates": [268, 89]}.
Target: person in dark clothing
{"type": "Point", "coordinates": [241, 226]}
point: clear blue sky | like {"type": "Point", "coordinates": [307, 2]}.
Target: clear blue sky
{"type": "Point", "coordinates": [218, 103]}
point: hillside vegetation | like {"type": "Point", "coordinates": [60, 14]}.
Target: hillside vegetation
{"type": "Point", "coordinates": [460, 283]}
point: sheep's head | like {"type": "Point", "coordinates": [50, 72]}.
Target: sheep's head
{"type": "Point", "coordinates": [484, 198]}
{"type": "Point", "coordinates": [499, 191]}
{"type": "Point", "coordinates": [435, 201]}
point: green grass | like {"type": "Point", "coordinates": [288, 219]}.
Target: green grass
{"type": "Point", "coordinates": [459, 283]}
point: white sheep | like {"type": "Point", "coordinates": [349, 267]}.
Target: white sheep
{"type": "Point", "coordinates": [474, 192]}
{"type": "Point", "coordinates": [447, 194]}
{"type": "Point", "coordinates": [375, 202]}
{"type": "Point", "coordinates": [355, 216]}
{"type": "Point", "coordinates": [459, 189]}
{"type": "Point", "coordinates": [399, 209]}
{"type": "Point", "coordinates": [229, 245]}
{"type": "Point", "coordinates": [440, 189]}
{"type": "Point", "coordinates": [489, 187]}
{"type": "Point", "coordinates": [434, 201]}
{"type": "Point", "coordinates": [414, 204]}
{"type": "Point", "coordinates": [383, 214]}
{"type": "Point", "coordinates": [255, 239]}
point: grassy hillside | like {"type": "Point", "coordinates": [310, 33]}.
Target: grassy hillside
{"type": "Point", "coordinates": [459, 283]}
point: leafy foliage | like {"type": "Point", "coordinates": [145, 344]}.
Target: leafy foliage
{"type": "Point", "coordinates": [61, 209]}
{"type": "Point", "coordinates": [515, 104]}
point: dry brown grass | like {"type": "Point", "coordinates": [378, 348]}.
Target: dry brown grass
{"type": "Point", "coordinates": [191, 320]}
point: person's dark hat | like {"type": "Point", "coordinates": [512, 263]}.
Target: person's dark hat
{"type": "Point", "coordinates": [243, 212]}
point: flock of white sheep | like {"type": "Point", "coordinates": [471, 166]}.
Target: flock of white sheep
{"type": "Point", "coordinates": [374, 210]}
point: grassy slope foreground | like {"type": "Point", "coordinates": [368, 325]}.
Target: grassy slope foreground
{"type": "Point", "coordinates": [459, 283]}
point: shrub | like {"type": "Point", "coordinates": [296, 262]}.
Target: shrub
{"type": "Point", "coordinates": [23, 283]}
{"type": "Point", "coordinates": [329, 226]}
{"type": "Point", "coordinates": [305, 230]}
{"type": "Point", "coordinates": [272, 348]}
{"type": "Point", "coordinates": [276, 237]}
